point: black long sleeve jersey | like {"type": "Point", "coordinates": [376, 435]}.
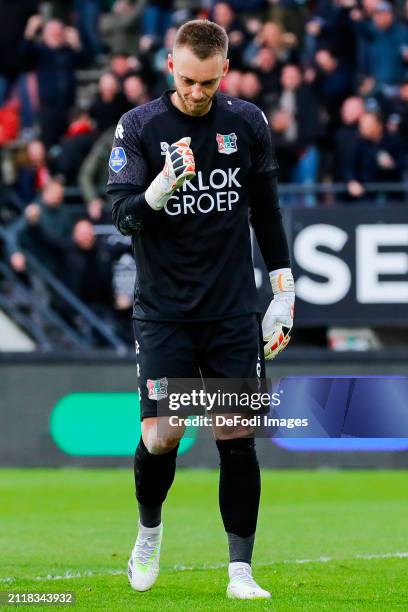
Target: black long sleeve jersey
{"type": "Point", "coordinates": [194, 256]}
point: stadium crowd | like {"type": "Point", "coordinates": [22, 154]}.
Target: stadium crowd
{"type": "Point", "coordinates": [330, 75]}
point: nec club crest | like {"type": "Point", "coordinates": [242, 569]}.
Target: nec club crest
{"type": "Point", "coordinates": [227, 143]}
{"type": "Point", "coordinates": [157, 389]}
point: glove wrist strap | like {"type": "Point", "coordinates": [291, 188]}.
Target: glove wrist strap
{"type": "Point", "coordinates": [282, 281]}
{"type": "Point", "coordinates": [155, 195]}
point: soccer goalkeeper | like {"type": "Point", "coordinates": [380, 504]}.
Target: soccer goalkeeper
{"type": "Point", "coordinates": [187, 171]}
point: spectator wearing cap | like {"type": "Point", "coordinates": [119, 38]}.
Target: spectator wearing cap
{"type": "Point", "coordinates": [386, 42]}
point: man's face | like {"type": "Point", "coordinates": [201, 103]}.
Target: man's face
{"type": "Point", "coordinates": [383, 19]}
{"type": "Point", "coordinates": [84, 235]}
{"type": "Point", "coordinates": [370, 127]}
{"type": "Point", "coordinates": [53, 35]}
{"type": "Point", "coordinates": [53, 194]}
{"type": "Point", "coordinates": [291, 77]}
{"type": "Point", "coordinates": [352, 110]}
{"type": "Point", "coordinates": [196, 80]}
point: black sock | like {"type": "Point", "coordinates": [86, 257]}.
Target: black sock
{"type": "Point", "coordinates": [240, 549]}
{"type": "Point", "coordinates": [154, 475]}
{"type": "Point", "coordinates": [239, 493]}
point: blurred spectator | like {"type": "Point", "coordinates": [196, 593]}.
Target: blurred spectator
{"type": "Point", "coordinates": [250, 89]}
{"type": "Point", "coordinates": [377, 156]}
{"type": "Point", "coordinates": [291, 15]}
{"type": "Point", "coordinates": [346, 138]}
{"type": "Point", "coordinates": [297, 127]}
{"type": "Point", "coordinates": [32, 170]}
{"type": "Point", "coordinates": [93, 175]}
{"type": "Point", "coordinates": [268, 70]}
{"type": "Point", "coordinates": [271, 35]}
{"type": "Point", "coordinates": [399, 115]}
{"type": "Point", "coordinates": [231, 84]}
{"type": "Point", "coordinates": [224, 15]}
{"type": "Point", "coordinates": [164, 80]}
{"type": "Point", "coordinates": [75, 145]}
{"type": "Point", "coordinates": [157, 17]}
{"type": "Point", "coordinates": [9, 122]}
{"type": "Point", "coordinates": [88, 14]}
{"type": "Point", "coordinates": [56, 56]}
{"type": "Point", "coordinates": [135, 91]}
{"type": "Point", "coordinates": [46, 223]}
{"type": "Point", "coordinates": [386, 41]}
{"type": "Point", "coordinates": [87, 269]}
{"type": "Point", "coordinates": [331, 27]}
{"type": "Point", "coordinates": [119, 26]}
{"type": "Point", "coordinates": [109, 104]}
{"type": "Point", "coordinates": [333, 83]}
{"type": "Point", "coordinates": [13, 17]}
{"type": "Point", "coordinates": [121, 65]}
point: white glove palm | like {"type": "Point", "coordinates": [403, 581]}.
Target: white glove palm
{"type": "Point", "coordinates": [278, 320]}
{"type": "Point", "coordinates": [178, 167]}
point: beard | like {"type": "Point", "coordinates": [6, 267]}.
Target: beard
{"type": "Point", "coordinates": [195, 108]}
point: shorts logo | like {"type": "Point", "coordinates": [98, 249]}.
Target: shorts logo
{"type": "Point", "coordinates": [227, 143]}
{"type": "Point", "coordinates": [157, 389]}
{"type": "Point", "coordinates": [163, 147]}
{"type": "Point", "coordinates": [117, 159]}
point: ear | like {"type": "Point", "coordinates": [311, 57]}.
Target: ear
{"type": "Point", "coordinates": [225, 67]}
{"type": "Point", "coordinates": [170, 63]}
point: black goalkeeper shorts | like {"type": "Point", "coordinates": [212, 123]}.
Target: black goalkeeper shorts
{"type": "Point", "coordinates": [228, 348]}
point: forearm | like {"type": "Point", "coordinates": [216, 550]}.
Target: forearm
{"type": "Point", "coordinates": [266, 219]}
{"type": "Point", "coordinates": [129, 208]}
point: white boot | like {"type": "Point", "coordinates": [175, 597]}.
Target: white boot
{"type": "Point", "coordinates": [242, 585]}
{"type": "Point", "coordinates": [143, 566]}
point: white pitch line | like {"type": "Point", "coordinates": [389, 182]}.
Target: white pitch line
{"type": "Point", "coordinates": [68, 575]}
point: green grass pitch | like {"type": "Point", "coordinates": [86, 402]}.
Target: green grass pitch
{"type": "Point", "coordinates": [327, 540]}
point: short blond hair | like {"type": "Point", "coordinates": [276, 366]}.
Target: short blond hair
{"type": "Point", "coordinates": [205, 38]}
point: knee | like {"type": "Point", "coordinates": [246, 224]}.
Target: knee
{"type": "Point", "coordinates": [160, 445]}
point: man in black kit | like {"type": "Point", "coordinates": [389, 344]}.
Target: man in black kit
{"type": "Point", "coordinates": [196, 311]}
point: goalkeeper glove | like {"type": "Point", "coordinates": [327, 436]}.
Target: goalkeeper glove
{"type": "Point", "coordinates": [178, 167]}
{"type": "Point", "coordinates": [278, 320]}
